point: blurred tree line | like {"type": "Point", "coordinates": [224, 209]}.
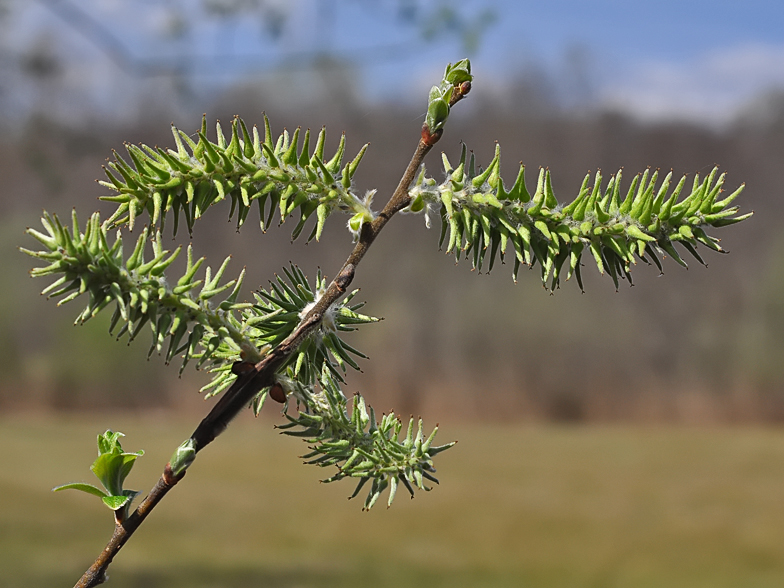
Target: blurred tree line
{"type": "Point", "coordinates": [696, 345]}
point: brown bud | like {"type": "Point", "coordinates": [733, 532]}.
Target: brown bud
{"type": "Point", "coordinates": [239, 368]}
{"type": "Point", "coordinates": [277, 393]}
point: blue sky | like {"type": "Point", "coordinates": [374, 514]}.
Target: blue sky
{"type": "Point", "coordinates": [667, 29]}
{"type": "Point", "coordinates": [663, 29]}
{"type": "Point", "coordinates": [656, 60]}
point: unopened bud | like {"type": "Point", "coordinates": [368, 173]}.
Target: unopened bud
{"type": "Point", "coordinates": [239, 368]}
{"type": "Point", "coordinates": [277, 393]}
{"type": "Point", "coordinates": [183, 457]}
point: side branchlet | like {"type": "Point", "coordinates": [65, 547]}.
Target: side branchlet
{"type": "Point", "coordinates": [277, 176]}
{"type": "Point", "coordinates": [111, 468]}
{"type": "Point", "coordinates": [183, 316]}
{"type": "Point", "coordinates": [483, 219]}
{"type": "Point", "coordinates": [359, 445]}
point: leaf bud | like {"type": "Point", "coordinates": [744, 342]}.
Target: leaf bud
{"type": "Point", "coordinates": [239, 368]}
{"type": "Point", "coordinates": [183, 457]}
{"type": "Point", "coordinates": [437, 109]}
{"type": "Point", "coordinates": [458, 73]}
{"type": "Point", "coordinates": [277, 393]}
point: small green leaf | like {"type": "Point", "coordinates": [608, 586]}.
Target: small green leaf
{"type": "Point", "coordinates": [458, 72]}
{"type": "Point", "coordinates": [112, 469]}
{"type": "Point", "coordinates": [109, 442]}
{"type": "Point", "coordinates": [116, 502]}
{"type": "Point", "coordinates": [88, 488]}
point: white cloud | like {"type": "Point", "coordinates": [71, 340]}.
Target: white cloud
{"type": "Point", "coordinates": [710, 89]}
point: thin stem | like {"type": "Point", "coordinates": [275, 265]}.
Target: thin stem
{"type": "Point", "coordinates": [261, 376]}
{"type": "Point", "coordinates": [96, 574]}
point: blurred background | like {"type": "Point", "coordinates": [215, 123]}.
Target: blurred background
{"type": "Point", "coordinates": [672, 477]}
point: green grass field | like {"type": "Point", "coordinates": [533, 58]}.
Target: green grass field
{"type": "Point", "coordinates": [518, 506]}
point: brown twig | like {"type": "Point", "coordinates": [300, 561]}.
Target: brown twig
{"type": "Point", "coordinates": [261, 376]}
{"type": "Point", "coordinates": [96, 574]}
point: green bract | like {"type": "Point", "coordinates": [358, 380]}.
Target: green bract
{"type": "Point", "coordinates": [181, 313]}
{"type": "Point", "coordinates": [276, 176]}
{"type": "Point", "coordinates": [358, 445]}
{"type": "Point", "coordinates": [275, 315]}
{"type": "Point", "coordinates": [482, 216]}
{"type": "Point", "coordinates": [111, 468]}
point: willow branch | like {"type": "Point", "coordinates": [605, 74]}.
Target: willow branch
{"type": "Point", "coordinates": [261, 376]}
{"type": "Point", "coordinates": [247, 385]}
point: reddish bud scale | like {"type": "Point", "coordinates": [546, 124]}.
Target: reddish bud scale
{"type": "Point", "coordinates": [429, 138]}
{"type": "Point", "coordinates": [461, 91]}
{"type": "Point", "coordinates": [168, 476]}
